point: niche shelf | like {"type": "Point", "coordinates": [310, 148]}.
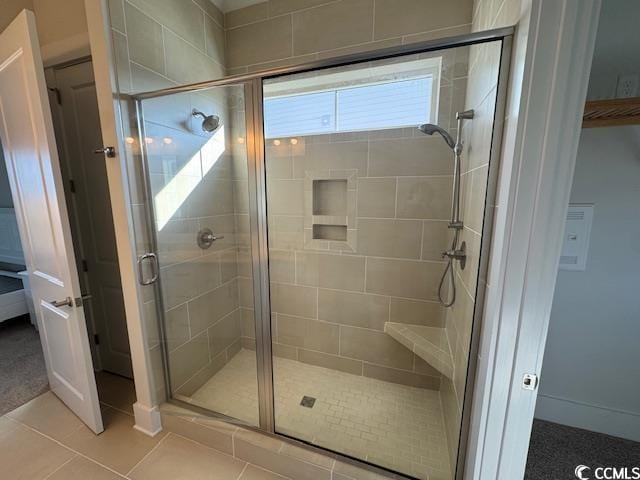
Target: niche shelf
{"type": "Point", "coordinates": [329, 213]}
{"type": "Point", "coordinates": [610, 113]}
{"type": "Point", "coordinates": [429, 343]}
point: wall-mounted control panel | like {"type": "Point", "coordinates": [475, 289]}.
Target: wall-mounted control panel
{"type": "Point", "coordinates": [575, 245]}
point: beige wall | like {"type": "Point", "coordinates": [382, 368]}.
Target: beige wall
{"type": "Point", "coordinates": [62, 26]}
{"type": "Point", "coordinates": [287, 32]}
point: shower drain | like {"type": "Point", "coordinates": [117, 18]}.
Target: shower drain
{"type": "Point", "coordinates": [307, 401]}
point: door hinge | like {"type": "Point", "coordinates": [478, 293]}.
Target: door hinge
{"type": "Point", "coordinates": [56, 92]}
{"type": "Point", "coordinates": [72, 186]}
{"type": "Point", "coordinates": [529, 381]}
{"type": "Point", "coordinates": [96, 339]}
{"type": "Point", "coordinates": [85, 265]}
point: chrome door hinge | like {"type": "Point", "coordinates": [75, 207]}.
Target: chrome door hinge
{"type": "Point", "coordinates": [529, 381]}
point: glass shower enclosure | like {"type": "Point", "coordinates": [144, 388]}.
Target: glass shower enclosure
{"type": "Point", "coordinates": [299, 217]}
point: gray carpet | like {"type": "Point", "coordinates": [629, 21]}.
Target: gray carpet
{"type": "Point", "coordinates": [555, 451]}
{"type": "Point", "coordinates": [23, 375]}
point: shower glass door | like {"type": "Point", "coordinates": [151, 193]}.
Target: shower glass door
{"type": "Point", "coordinates": [197, 168]}
{"type": "Point", "coordinates": [300, 221]}
{"type": "Point", "coordinates": [366, 361]}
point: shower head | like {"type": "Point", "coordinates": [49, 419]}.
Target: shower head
{"type": "Point", "coordinates": [209, 122]}
{"type": "Point", "coordinates": [430, 129]}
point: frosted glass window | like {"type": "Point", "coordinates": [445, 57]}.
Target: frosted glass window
{"type": "Point", "coordinates": [394, 104]}
{"type": "Point", "coordinates": [307, 114]}
{"type": "Point", "coordinates": [386, 105]}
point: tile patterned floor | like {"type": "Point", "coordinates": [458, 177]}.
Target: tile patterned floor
{"type": "Point", "coordinates": [393, 425]}
{"type": "Point", "coordinates": [43, 440]}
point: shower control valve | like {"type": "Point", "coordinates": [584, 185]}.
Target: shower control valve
{"type": "Point", "coordinates": [457, 254]}
{"type": "Point", "coordinates": [206, 238]}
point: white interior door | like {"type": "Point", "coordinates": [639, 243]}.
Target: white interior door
{"type": "Point", "coordinates": [77, 124]}
{"type": "Point", "coordinates": [26, 133]}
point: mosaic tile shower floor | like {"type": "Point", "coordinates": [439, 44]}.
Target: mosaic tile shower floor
{"type": "Point", "coordinates": [396, 426]}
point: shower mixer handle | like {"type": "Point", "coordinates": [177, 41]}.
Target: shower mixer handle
{"type": "Point", "coordinates": [206, 238]}
{"type": "Point", "coordinates": [457, 254]}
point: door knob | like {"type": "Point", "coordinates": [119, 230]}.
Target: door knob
{"type": "Point", "coordinates": [108, 151]}
{"type": "Point", "coordinates": [67, 302]}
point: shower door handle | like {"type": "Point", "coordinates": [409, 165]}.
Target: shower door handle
{"type": "Point", "coordinates": [153, 261]}
{"type": "Point", "coordinates": [110, 152]}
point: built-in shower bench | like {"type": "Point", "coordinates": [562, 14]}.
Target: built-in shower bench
{"type": "Point", "coordinates": [429, 343]}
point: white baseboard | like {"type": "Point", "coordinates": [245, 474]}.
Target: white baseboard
{"type": "Point", "coordinates": [148, 420]}
{"type": "Point", "coordinates": [589, 417]}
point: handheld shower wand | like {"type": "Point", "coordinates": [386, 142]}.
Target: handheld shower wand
{"type": "Point", "coordinates": [455, 252]}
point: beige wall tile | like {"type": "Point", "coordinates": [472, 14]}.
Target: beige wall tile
{"type": "Point", "coordinates": [183, 281]}
{"type": "Point", "coordinates": [421, 156]}
{"type": "Point", "coordinates": [403, 377]}
{"type": "Point", "coordinates": [355, 309]}
{"type": "Point", "coordinates": [332, 362]}
{"type": "Point", "coordinates": [116, 15]}
{"type": "Point", "coordinates": [284, 351]}
{"type": "Point", "coordinates": [373, 346]}
{"type": "Point", "coordinates": [187, 359]}
{"type": "Point", "coordinates": [176, 326]}
{"type": "Point", "coordinates": [436, 238]}
{"type": "Point", "coordinates": [176, 241]}
{"type": "Point", "coordinates": [285, 197]}
{"type": "Point", "coordinates": [343, 272]}
{"type": "Point", "coordinates": [224, 332]}
{"type": "Point", "coordinates": [389, 238]}
{"type": "Point", "coordinates": [293, 300]}
{"type": "Point", "coordinates": [186, 64]}
{"type": "Point", "coordinates": [145, 39]}
{"type": "Point", "coordinates": [259, 42]}
{"type": "Point", "coordinates": [403, 278]}
{"type": "Point", "coordinates": [278, 7]}
{"type": "Point", "coordinates": [184, 18]}
{"type": "Point", "coordinates": [426, 197]}
{"type": "Point", "coordinates": [204, 311]}
{"type": "Point", "coordinates": [123, 66]}
{"type": "Point", "coordinates": [332, 26]}
{"type": "Point", "coordinates": [282, 266]}
{"type": "Point", "coordinates": [331, 156]}
{"type": "Point", "coordinates": [245, 292]}
{"type": "Point", "coordinates": [286, 232]}
{"type": "Point", "coordinates": [306, 333]}
{"type": "Point", "coordinates": [248, 321]}
{"type": "Point", "coordinates": [364, 47]}
{"type": "Point", "coordinates": [415, 312]}
{"type": "Point", "coordinates": [250, 14]}
{"type": "Point", "coordinates": [419, 16]}
{"type": "Point", "coordinates": [214, 40]}
{"type": "Point", "coordinates": [377, 197]}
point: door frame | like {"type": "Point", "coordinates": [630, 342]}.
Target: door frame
{"type": "Point", "coordinates": [550, 71]}
{"type": "Point", "coordinates": [258, 215]}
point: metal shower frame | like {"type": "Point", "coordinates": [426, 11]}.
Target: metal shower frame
{"type": "Point", "coordinates": [252, 85]}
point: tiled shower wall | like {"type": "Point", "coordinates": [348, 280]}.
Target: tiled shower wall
{"type": "Point", "coordinates": [158, 44]}
{"type": "Point", "coordinates": [288, 32]}
{"type": "Point", "coordinates": [484, 63]}
{"type": "Point", "coordinates": [330, 299]}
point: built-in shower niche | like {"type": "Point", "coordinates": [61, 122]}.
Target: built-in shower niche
{"type": "Point", "coordinates": [330, 210]}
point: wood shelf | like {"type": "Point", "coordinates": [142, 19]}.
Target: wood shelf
{"type": "Point", "coordinates": [609, 113]}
